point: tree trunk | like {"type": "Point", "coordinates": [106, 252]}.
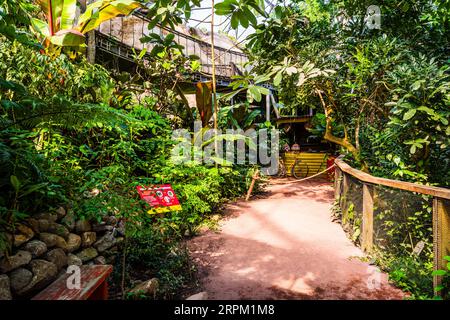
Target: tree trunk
{"type": "Point", "coordinates": [344, 142]}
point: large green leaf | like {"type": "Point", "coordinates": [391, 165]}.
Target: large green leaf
{"type": "Point", "coordinates": [250, 16]}
{"type": "Point", "coordinates": [68, 14]}
{"type": "Point", "coordinates": [253, 93]}
{"type": "Point", "coordinates": [57, 8]}
{"type": "Point", "coordinates": [277, 79]}
{"type": "Point", "coordinates": [439, 273]}
{"type": "Point", "coordinates": [409, 114]}
{"type": "Point", "coordinates": [67, 38]}
{"type": "Point", "coordinates": [40, 27]}
{"type": "Point", "coordinates": [15, 182]}
{"type": "Point", "coordinates": [223, 8]}
{"type": "Point", "coordinates": [243, 19]}
{"type": "Point", "coordinates": [234, 21]}
{"type": "Point", "coordinates": [100, 11]}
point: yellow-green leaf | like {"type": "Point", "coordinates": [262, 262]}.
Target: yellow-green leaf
{"type": "Point", "coordinates": [40, 26]}
{"type": "Point", "coordinates": [100, 11]}
{"type": "Point", "coordinates": [15, 182]}
{"type": "Point", "coordinates": [409, 114]}
{"type": "Point", "coordinates": [67, 38]}
{"type": "Point", "coordinates": [68, 14]}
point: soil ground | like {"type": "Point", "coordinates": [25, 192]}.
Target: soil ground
{"type": "Point", "coordinates": [284, 245]}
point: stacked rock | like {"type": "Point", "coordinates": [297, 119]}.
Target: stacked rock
{"type": "Point", "coordinates": [46, 243]}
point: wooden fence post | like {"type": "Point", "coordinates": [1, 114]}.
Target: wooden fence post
{"type": "Point", "coordinates": [91, 46]}
{"type": "Point", "coordinates": [337, 184]}
{"type": "Point", "coordinates": [344, 195]}
{"type": "Point", "coordinates": [441, 236]}
{"type": "Point", "coordinates": [367, 218]}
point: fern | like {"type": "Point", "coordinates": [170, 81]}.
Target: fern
{"type": "Point", "coordinates": [30, 112]}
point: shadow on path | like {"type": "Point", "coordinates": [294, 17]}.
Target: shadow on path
{"type": "Point", "coordinates": [285, 246]}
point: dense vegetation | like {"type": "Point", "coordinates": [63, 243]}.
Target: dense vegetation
{"type": "Point", "coordinates": [382, 94]}
{"type": "Point", "coordinates": [73, 133]}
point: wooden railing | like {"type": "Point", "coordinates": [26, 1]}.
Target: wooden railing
{"type": "Point", "coordinates": [441, 208]}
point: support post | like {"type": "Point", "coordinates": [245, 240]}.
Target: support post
{"type": "Point", "coordinates": [91, 46]}
{"type": "Point", "coordinates": [274, 104]}
{"type": "Point", "coordinates": [337, 184]}
{"type": "Point", "coordinates": [252, 185]}
{"type": "Point", "coordinates": [343, 196]}
{"type": "Point", "coordinates": [367, 218]}
{"type": "Point", "coordinates": [441, 236]}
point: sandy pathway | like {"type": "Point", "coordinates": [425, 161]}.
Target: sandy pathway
{"type": "Point", "coordinates": [285, 246]}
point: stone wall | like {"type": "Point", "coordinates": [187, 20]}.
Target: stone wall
{"type": "Point", "coordinates": [45, 244]}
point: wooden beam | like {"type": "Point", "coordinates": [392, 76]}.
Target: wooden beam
{"type": "Point", "coordinates": [441, 236]}
{"type": "Point", "coordinates": [274, 104]}
{"type": "Point", "coordinates": [337, 184]}
{"type": "Point", "coordinates": [91, 47]}
{"type": "Point", "coordinates": [344, 196]}
{"type": "Point", "coordinates": [443, 193]}
{"type": "Point", "coordinates": [294, 119]}
{"type": "Point", "coordinates": [252, 185]}
{"type": "Point", "coordinates": [367, 218]}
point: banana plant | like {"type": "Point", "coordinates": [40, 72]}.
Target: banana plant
{"type": "Point", "coordinates": [60, 28]}
{"type": "Point", "coordinates": [203, 97]}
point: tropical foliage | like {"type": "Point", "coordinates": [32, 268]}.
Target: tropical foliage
{"type": "Point", "coordinates": [73, 133]}
{"type": "Point", "coordinates": [69, 128]}
{"type": "Point", "coordinates": [382, 94]}
{"type": "Point", "coordinates": [60, 29]}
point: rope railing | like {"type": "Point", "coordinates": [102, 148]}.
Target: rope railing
{"type": "Point", "coordinates": [382, 202]}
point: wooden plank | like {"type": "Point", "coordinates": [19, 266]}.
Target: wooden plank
{"type": "Point", "coordinates": [443, 193]}
{"type": "Point", "coordinates": [315, 162]}
{"type": "Point", "coordinates": [312, 160]}
{"type": "Point", "coordinates": [92, 278]}
{"type": "Point", "coordinates": [344, 196]}
{"type": "Point", "coordinates": [441, 236]}
{"type": "Point", "coordinates": [101, 293]}
{"type": "Point", "coordinates": [367, 218]}
{"type": "Point", "coordinates": [297, 154]}
{"type": "Point", "coordinates": [337, 184]}
{"type": "Point", "coordinates": [91, 46]}
{"type": "Point", "coordinates": [294, 119]}
{"type": "Point", "coordinates": [274, 104]}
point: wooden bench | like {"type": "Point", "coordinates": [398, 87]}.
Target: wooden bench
{"type": "Point", "coordinates": [93, 285]}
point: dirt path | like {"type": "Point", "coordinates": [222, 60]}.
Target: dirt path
{"type": "Point", "coordinates": [284, 245]}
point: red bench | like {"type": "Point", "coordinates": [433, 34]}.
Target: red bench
{"type": "Point", "coordinates": [93, 285]}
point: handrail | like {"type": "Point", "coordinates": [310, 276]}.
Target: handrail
{"type": "Point", "coordinates": [440, 213]}
{"type": "Point", "coordinates": [439, 192]}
